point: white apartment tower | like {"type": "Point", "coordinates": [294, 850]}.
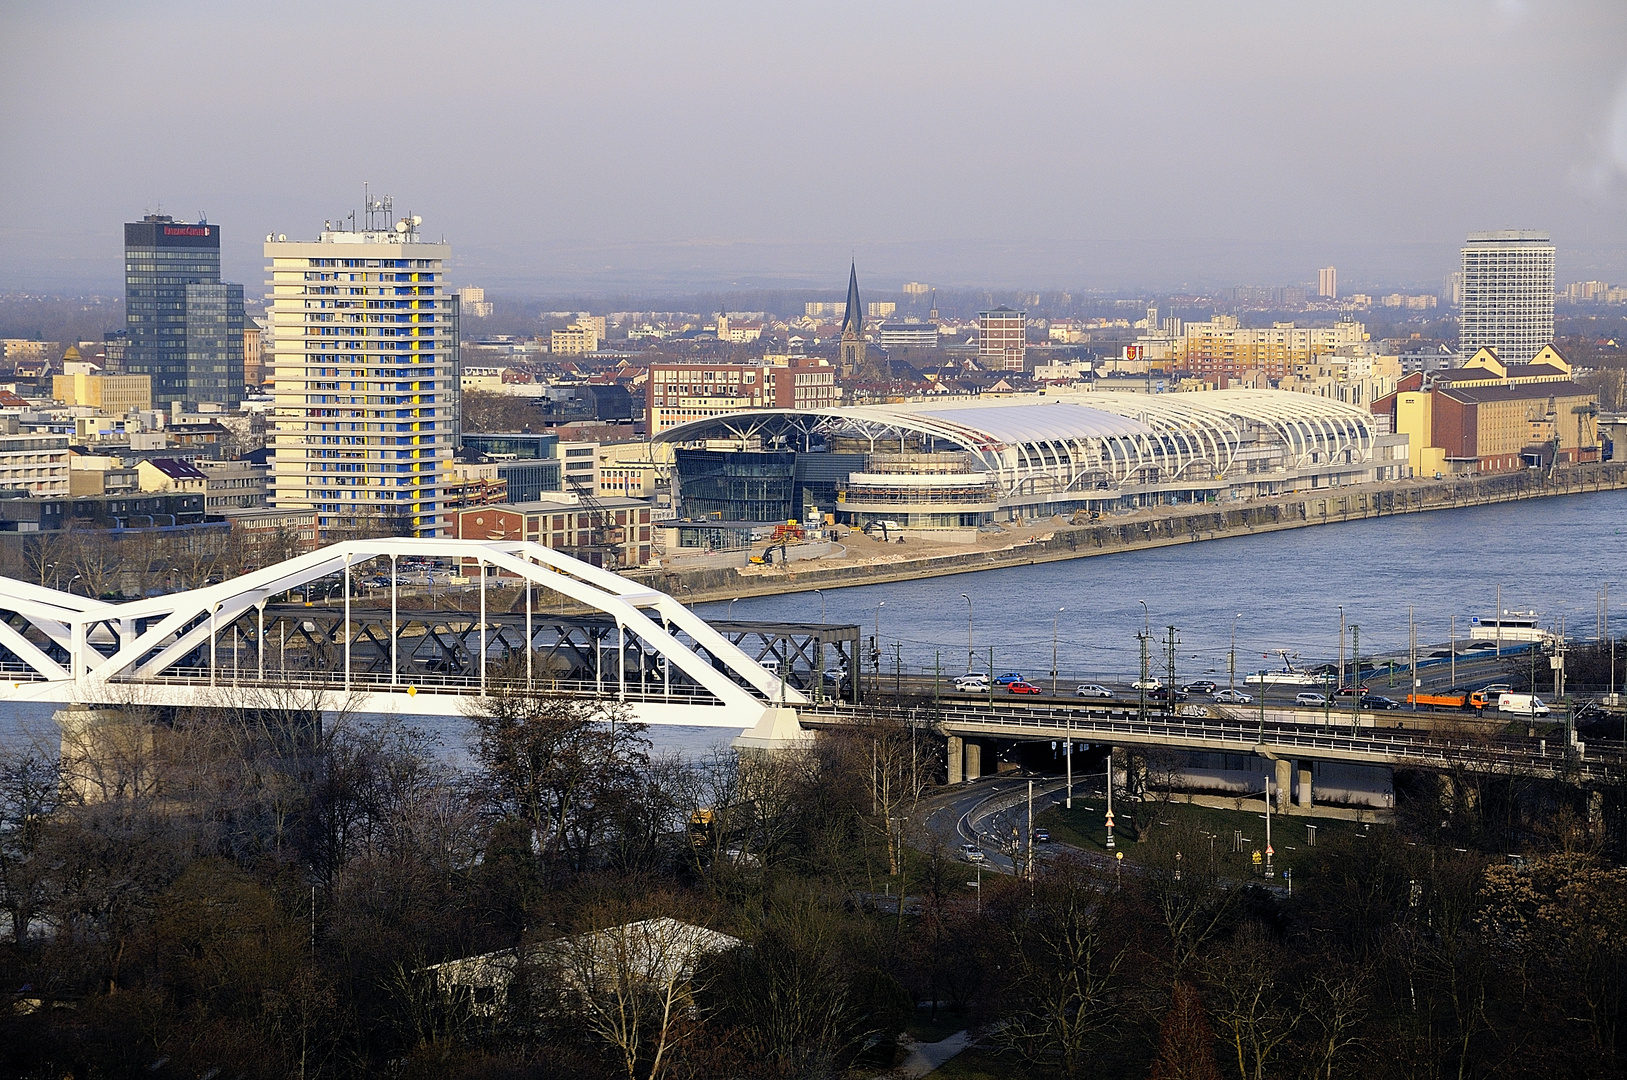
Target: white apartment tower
{"type": "Point", "coordinates": [1327, 283]}
{"type": "Point", "coordinates": [366, 377]}
{"type": "Point", "coordinates": [1508, 295]}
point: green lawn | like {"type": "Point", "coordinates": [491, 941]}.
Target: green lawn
{"type": "Point", "coordinates": [1084, 826]}
{"type": "Point", "coordinates": [978, 1065]}
{"type": "Point", "coordinates": [925, 1029]}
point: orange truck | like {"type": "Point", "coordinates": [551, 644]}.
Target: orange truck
{"type": "Point", "coordinates": [1451, 699]}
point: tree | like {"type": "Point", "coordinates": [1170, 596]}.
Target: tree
{"type": "Point", "coordinates": [30, 792]}
{"type": "Point", "coordinates": [1255, 1014]}
{"type": "Point", "coordinates": [1067, 944]}
{"type": "Point", "coordinates": [558, 763]}
{"type": "Point", "coordinates": [1186, 1043]}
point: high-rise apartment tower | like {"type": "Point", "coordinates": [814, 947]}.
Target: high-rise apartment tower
{"type": "Point", "coordinates": [1327, 283]}
{"type": "Point", "coordinates": [1508, 295]}
{"type": "Point", "coordinates": [366, 374]}
{"type": "Point", "coordinates": [185, 325]}
{"type": "Point", "coordinates": [1002, 338]}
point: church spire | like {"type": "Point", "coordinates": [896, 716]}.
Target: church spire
{"type": "Point", "coordinates": [853, 319]}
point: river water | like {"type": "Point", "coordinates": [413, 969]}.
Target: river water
{"type": "Point", "coordinates": [1284, 589]}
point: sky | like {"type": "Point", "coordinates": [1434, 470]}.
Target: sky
{"type": "Point", "coordinates": [642, 146]}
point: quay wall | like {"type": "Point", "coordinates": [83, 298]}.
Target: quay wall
{"type": "Point", "coordinates": [1053, 543]}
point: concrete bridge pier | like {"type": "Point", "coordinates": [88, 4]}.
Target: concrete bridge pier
{"type": "Point", "coordinates": [1285, 782]}
{"type": "Point", "coordinates": [1302, 795]}
{"type": "Point", "coordinates": [955, 757]}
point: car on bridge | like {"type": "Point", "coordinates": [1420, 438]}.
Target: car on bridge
{"type": "Point", "coordinates": [1095, 690]}
{"type": "Point", "coordinates": [1378, 703]}
{"type": "Point", "coordinates": [1010, 677]}
{"type": "Point", "coordinates": [1233, 697]}
{"type": "Point", "coordinates": [972, 684]}
{"type": "Point", "coordinates": [1310, 697]}
{"type": "Point", "coordinates": [1165, 694]}
{"type": "Point", "coordinates": [1022, 686]}
{"type": "Point", "coordinates": [1202, 686]}
{"type": "Point", "coordinates": [1350, 691]}
{"type": "Point", "coordinates": [1147, 684]}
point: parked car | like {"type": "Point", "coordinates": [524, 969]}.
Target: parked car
{"type": "Point", "coordinates": [1091, 689]}
{"type": "Point", "coordinates": [1202, 686]}
{"type": "Point", "coordinates": [1378, 703]}
{"type": "Point", "coordinates": [1310, 697]}
{"type": "Point", "coordinates": [1022, 687]}
{"type": "Point", "coordinates": [972, 852]}
{"type": "Point", "coordinates": [972, 684]}
{"type": "Point", "coordinates": [1010, 677]}
{"type": "Point", "coordinates": [1148, 684]}
{"type": "Point", "coordinates": [1233, 697]}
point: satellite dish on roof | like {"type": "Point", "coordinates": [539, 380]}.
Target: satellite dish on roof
{"type": "Point", "coordinates": [401, 226]}
{"type": "Point", "coordinates": [416, 220]}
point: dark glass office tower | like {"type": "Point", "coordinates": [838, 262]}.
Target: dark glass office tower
{"type": "Point", "coordinates": [185, 324]}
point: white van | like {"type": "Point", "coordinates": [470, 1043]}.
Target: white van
{"type": "Point", "coordinates": [1521, 705]}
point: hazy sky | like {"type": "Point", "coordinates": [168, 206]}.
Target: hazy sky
{"type": "Point", "coordinates": [658, 145]}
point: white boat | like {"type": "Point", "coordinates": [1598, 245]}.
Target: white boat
{"type": "Point", "coordinates": [1511, 628]}
{"type": "Point", "coordinates": [1288, 676]}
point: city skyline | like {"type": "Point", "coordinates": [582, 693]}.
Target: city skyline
{"type": "Point", "coordinates": [702, 164]}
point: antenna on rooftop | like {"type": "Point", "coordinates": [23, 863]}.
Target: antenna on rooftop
{"type": "Point", "coordinates": [379, 211]}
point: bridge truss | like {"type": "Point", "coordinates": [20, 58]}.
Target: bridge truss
{"type": "Point", "coordinates": [577, 629]}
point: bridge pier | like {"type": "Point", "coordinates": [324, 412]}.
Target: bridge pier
{"type": "Point", "coordinates": [955, 758]}
{"type": "Point", "coordinates": [1285, 782]}
{"type": "Point", "coordinates": [1302, 796]}
{"type": "Point", "coordinates": [974, 760]}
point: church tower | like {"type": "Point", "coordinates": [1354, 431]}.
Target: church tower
{"type": "Point", "coordinates": [851, 356]}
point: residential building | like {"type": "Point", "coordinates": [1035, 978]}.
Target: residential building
{"type": "Point", "coordinates": [171, 474]}
{"type": "Point", "coordinates": [143, 510]}
{"type": "Point", "coordinates": [35, 464]}
{"type": "Point", "coordinates": [1001, 338]}
{"type": "Point", "coordinates": [612, 533]}
{"type": "Point", "coordinates": [1508, 295]}
{"type": "Point", "coordinates": [254, 372]}
{"type": "Point", "coordinates": [851, 348]}
{"type": "Point", "coordinates": [1221, 346]}
{"type": "Point", "coordinates": [681, 393]}
{"type": "Point", "coordinates": [473, 302]}
{"type": "Point", "coordinates": [1327, 283]}
{"type": "Point", "coordinates": [574, 340]}
{"type": "Point", "coordinates": [916, 290]}
{"type": "Point", "coordinates": [1491, 417]}
{"type": "Point", "coordinates": [880, 309]}
{"type": "Point", "coordinates": [283, 533]}
{"type": "Point", "coordinates": [475, 482]}
{"type": "Point", "coordinates": [234, 485]}
{"type": "Point", "coordinates": [366, 374]}
{"type": "Point", "coordinates": [1355, 378]}
{"type": "Point", "coordinates": [99, 474]}
{"type": "Point", "coordinates": [185, 324]}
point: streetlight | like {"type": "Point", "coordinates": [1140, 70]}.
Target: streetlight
{"type": "Point", "coordinates": [821, 593]}
{"type": "Point", "coordinates": [1054, 618]}
{"type": "Point", "coordinates": [875, 651]}
{"type": "Point", "coordinates": [1342, 649]}
{"type": "Point", "coordinates": [1231, 665]}
{"type": "Point", "coordinates": [1146, 636]}
{"type": "Point", "coordinates": [968, 600]}
{"type": "Point", "coordinates": [729, 611]}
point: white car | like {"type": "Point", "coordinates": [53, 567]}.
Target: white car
{"type": "Point", "coordinates": [1091, 689]}
{"type": "Point", "coordinates": [1146, 684]}
{"type": "Point", "coordinates": [1233, 697]}
{"type": "Point", "coordinates": [1310, 697]}
{"type": "Point", "coordinates": [972, 684]}
{"type": "Point", "coordinates": [972, 852]}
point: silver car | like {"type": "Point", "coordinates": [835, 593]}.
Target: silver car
{"type": "Point", "coordinates": [1233, 697]}
{"type": "Point", "coordinates": [1091, 689]}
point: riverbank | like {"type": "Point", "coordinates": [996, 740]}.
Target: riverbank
{"type": "Point", "coordinates": [1053, 540]}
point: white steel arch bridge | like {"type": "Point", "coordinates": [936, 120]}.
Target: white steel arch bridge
{"type": "Point", "coordinates": [212, 645]}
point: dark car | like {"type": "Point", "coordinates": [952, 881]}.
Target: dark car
{"type": "Point", "coordinates": [1202, 686]}
{"type": "Point", "coordinates": [1349, 691]}
{"type": "Point", "coordinates": [1042, 836]}
{"type": "Point", "coordinates": [1018, 686]}
{"type": "Point", "coordinates": [1379, 703]}
{"type": "Point", "coordinates": [1164, 693]}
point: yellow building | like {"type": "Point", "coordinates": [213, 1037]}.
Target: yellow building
{"type": "Point", "coordinates": [1223, 347]}
{"type": "Point", "coordinates": [111, 395]}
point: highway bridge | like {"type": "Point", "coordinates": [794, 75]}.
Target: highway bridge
{"type": "Point", "coordinates": [576, 629]}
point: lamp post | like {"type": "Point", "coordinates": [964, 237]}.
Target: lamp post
{"type": "Point", "coordinates": [728, 612]}
{"type": "Point", "coordinates": [821, 593]}
{"type": "Point", "coordinates": [1054, 618]}
{"type": "Point", "coordinates": [1231, 664]}
{"type": "Point", "coordinates": [1146, 636]}
{"type": "Point", "coordinates": [1342, 648]}
{"type": "Point", "coordinates": [876, 650]}
{"type": "Point", "coordinates": [969, 660]}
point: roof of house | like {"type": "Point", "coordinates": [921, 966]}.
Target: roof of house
{"type": "Point", "coordinates": [176, 469]}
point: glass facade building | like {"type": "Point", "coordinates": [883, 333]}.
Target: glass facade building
{"type": "Point", "coordinates": [185, 326]}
